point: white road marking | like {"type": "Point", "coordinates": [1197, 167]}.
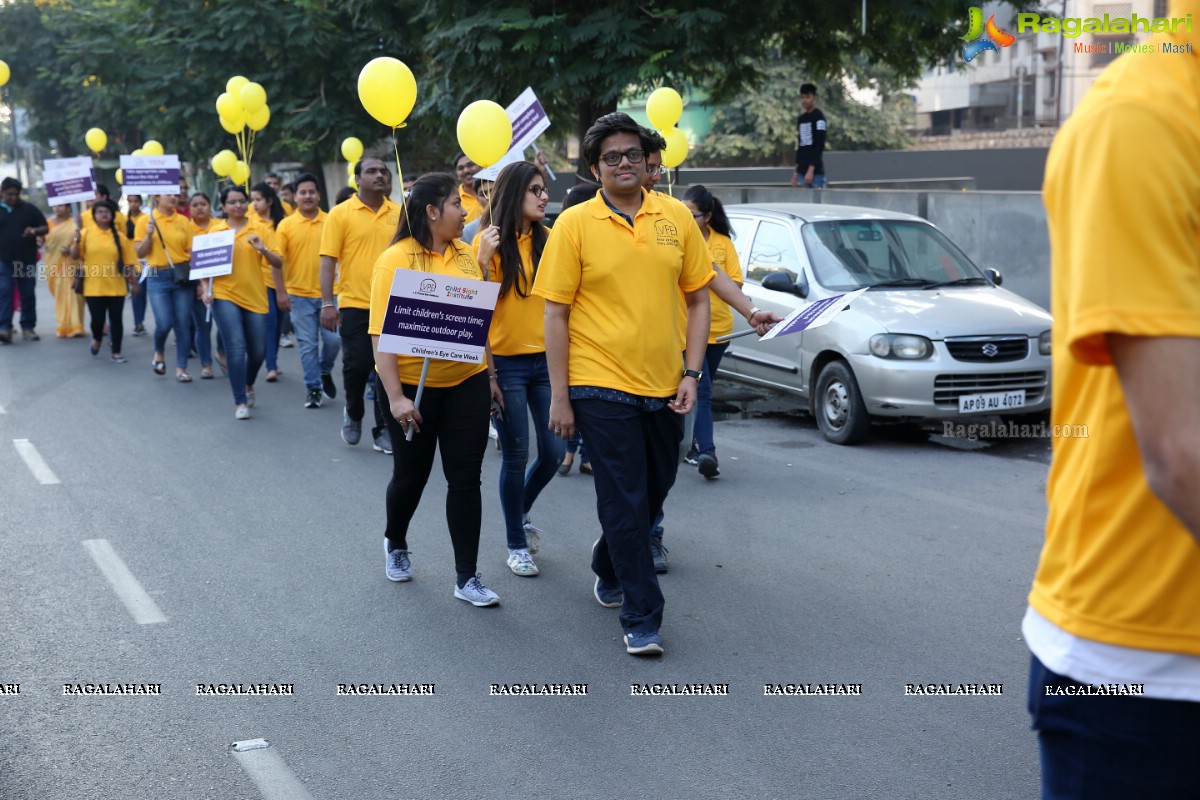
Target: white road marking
{"type": "Point", "coordinates": [275, 781]}
{"type": "Point", "coordinates": [141, 606]}
{"type": "Point", "coordinates": [33, 459]}
{"type": "Point", "coordinates": [2, 411]}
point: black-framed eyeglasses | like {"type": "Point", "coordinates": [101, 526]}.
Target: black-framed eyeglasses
{"type": "Point", "coordinates": [612, 157]}
{"type": "Point", "coordinates": [539, 191]}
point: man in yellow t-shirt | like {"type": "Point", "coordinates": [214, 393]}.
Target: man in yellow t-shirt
{"type": "Point", "coordinates": [356, 233]}
{"type": "Point", "coordinates": [1115, 604]}
{"type": "Point", "coordinates": [465, 169]}
{"type": "Point", "coordinates": [299, 238]}
{"type": "Point", "coordinates": [610, 274]}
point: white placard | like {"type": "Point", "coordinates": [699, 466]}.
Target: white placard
{"type": "Point", "coordinates": [212, 255]}
{"type": "Point", "coordinates": [529, 121]}
{"type": "Point", "coordinates": [150, 174]}
{"type": "Point", "coordinates": [813, 315]}
{"type": "Point", "coordinates": [430, 315]}
{"type": "Point", "coordinates": [69, 180]}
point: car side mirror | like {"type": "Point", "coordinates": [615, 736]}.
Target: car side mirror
{"type": "Point", "coordinates": [781, 281]}
{"type": "Point", "coordinates": [994, 276]}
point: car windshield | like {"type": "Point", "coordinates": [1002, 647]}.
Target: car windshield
{"type": "Point", "coordinates": [850, 254]}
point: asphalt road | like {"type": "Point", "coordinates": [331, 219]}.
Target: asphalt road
{"type": "Point", "coordinates": [905, 561]}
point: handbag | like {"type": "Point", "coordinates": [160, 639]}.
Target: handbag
{"type": "Point", "coordinates": [77, 284]}
{"type": "Point", "coordinates": [180, 271]}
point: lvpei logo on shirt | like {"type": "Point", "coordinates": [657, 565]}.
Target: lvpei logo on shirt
{"type": "Point", "coordinates": [667, 233]}
{"type": "Point", "coordinates": [982, 37]}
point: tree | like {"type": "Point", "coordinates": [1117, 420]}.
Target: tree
{"type": "Point", "coordinates": [759, 126]}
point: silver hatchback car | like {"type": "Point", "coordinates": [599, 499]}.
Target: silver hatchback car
{"type": "Point", "coordinates": [934, 337]}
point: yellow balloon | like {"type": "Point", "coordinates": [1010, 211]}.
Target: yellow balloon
{"type": "Point", "coordinates": [138, 152]}
{"type": "Point", "coordinates": [387, 90]}
{"type": "Point", "coordinates": [259, 119]}
{"type": "Point", "coordinates": [224, 162]}
{"type": "Point", "coordinates": [5, 73]}
{"type": "Point", "coordinates": [677, 147]}
{"type": "Point", "coordinates": [254, 97]}
{"type": "Point", "coordinates": [233, 126]}
{"type": "Point", "coordinates": [120, 177]}
{"type": "Point", "coordinates": [240, 173]}
{"type": "Point", "coordinates": [352, 149]}
{"type": "Point", "coordinates": [664, 108]}
{"type": "Point", "coordinates": [96, 140]}
{"type": "Point", "coordinates": [484, 132]}
{"type": "Point", "coordinates": [350, 168]}
{"type": "Point", "coordinates": [353, 184]}
{"type": "Point", "coordinates": [235, 84]}
{"type": "Point", "coordinates": [229, 105]}
{"type": "Point", "coordinates": [152, 148]}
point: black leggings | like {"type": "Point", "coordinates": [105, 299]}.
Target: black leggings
{"type": "Point", "coordinates": [358, 362]}
{"type": "Point", "coordinates": [114, 307]}
{"type": "Point", "coordinates": [455, 419]}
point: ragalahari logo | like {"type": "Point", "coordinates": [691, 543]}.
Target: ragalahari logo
{"type": "Point", "coordinates": [982, 37]}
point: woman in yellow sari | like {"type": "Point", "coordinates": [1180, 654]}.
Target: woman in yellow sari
{"type": "Point", "coordinates": [60, 274]}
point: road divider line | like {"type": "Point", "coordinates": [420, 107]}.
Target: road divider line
{"type": "Point", "coordinates": [263, 764]}
{"type": "Point", "coordinates": [33, 459]}
{"type": "Point", "coordinates": [140, 605]}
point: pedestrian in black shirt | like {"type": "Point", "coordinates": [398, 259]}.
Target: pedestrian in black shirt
{"type": "Point", "coordinates": [20, 225]}
{"type": "Point", "coordinates": [810, 144]}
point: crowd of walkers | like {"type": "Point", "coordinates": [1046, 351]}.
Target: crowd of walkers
{"type": "Point", "coordinates": [602, 345]}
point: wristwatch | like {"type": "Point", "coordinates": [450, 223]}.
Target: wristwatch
{"type": "Point", "coordinates": [691, 373]}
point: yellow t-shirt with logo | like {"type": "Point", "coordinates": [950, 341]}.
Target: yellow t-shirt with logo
{"type": "Point", "coordinates": [176, 231]}
{"type": "Point", "coordinates": [245, 286]}
{"type": "Point", "coordinates": [725, 256]}
{"type": "Point", "coordinates": [458, 261]}
{"type": "Point", "coordinates": [98, 257]}
{"type": "Point", "coordinates": [623, 285]}
{"type": "Point", "coordinates": [519, 323]}
{"type": "Point", "coordinates": [1117, 566]}
{"type": "Point", "coordinates": [471, 205]}
{"type": "Point", "coordinates": [355, 235]}
{"type": "Point", "coordinates": [300, 245]}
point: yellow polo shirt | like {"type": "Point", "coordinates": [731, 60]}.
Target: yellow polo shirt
{"type": "Point", "coordinates": [176, 231]}
{"type": "Point", "coordinates": [288, 208]}
{"type": "Point", "coordinates": [356, 236]}
{"type": "Point", "coordinates": [1117, 566]}
{"type": "Point", "coordinates": [623, 285]}
{"type": "Point", "coordinates": [98, 256]}
{"type": "Point", "coordinates": [90, 222]}
{"type": "Point", "coordinates": [459, 261]}
{"type": "Point", "coordinates": [726, 258]}
{"type": "Point", "coordinates": [519, 323]}
{"type": "Point", "coordinates": [470, 204]}
{"type": "Point", "coordinates": [300, 245]}
{"type": "Point", "coordinates": [208, 228]}
{"type": "Point", "coordinates": [245, 286]}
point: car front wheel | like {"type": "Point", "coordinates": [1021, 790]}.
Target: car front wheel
{"type": "Point", "coordinates": [838, 405]}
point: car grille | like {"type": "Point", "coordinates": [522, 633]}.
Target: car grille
{"type": "Point", "coordinates": [988, 349]}
{"type": "Point", "coordinates": [948, 388]}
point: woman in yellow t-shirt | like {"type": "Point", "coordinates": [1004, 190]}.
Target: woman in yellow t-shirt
{"type": "Point", "coordinates": [509, 252]}
{"type": "Point", "coordinates": [200, 211]}
{"type": "Point", "coordinates": [269, 210]}
{"type": "Point", "coordinates": [710, 216]}
{"type": "Point", "coordinates": [172, 302]}
{"type": "Point", "coordinates": [107, 259]}
{"type": "Point", "coordinates": [139, 300]}
{"type": "Point", "coordinates": [239, 299]}
{"type": "Point", "coordinates": [60, 273]}
{"type": "Point", "coordinates": [453, 415]}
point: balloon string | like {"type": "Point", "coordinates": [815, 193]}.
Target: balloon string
{"type": "Point", "coordinates": [671, 182]}
{"type": "Point", "coordinates": [400, 176]}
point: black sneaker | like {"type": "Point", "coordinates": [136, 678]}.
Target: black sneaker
{"type": "Point", "coordinates": [659, 553]}
{"type": "Point", "coordinates": [313, 399]}
{"type": "Point", "coordinates": [707, 464]}
{"type": "Point", "coordinates": [328, 386]}
{"type": "Point", "coordinates": [139, 330]}
{"type": "Point", "coordinates": [693, 455]}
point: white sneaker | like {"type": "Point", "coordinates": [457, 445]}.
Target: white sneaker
{"type": "Point", "coordinates": [475, 593]}
{"type": "Point", "coordinates": [533, 537]}
{"type": "Point", "coordinates": [287, 341]}
{"type": "Point", "coordinates": [521, 563]}
{"type": "Point", "coordinates": [399, 564]}
{"type": "Point", "coordinates": [241, 413]}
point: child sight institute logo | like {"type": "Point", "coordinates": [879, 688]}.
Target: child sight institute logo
{"type": "Point", "coordinates": [980, 37]}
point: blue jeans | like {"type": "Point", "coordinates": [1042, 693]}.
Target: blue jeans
{"type": "Point", "coordinates": [26, 284]}
{"type": "Point", "coordinates": [576, 443]}
{"type": "Point", "coordinates": [138, 301]}
{"type": "Point", "coordinates": [1113, 747]}
{"type": "Point", "coordinates": [635, 455]}
{"type": "Point", "coordinates": [202, 324]}
{"type": "Point", "coordinates": [244, 333]}
{"type": "Point", "coordinates": [818, 182]}
{"type": "Point", "coordinates": [703, 430]}
{"type": "Point", "coordinates": [172, 309]}
{"type": "Point", "coordinates": [318, 347]}
{"type": "Point", "coordinates": [272, 331]}
{"type": "Point", "coordinates": [525, 382]}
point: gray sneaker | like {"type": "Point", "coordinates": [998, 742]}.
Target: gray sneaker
{"type": "Point", "coordinates": [399, 564]}
{"type": "Point", "coordinates": [383, 442]}
{"type": "Point", "coordinates": [533, 537]}
{"type": "Point", "coordinates": [475, 593]}
{"type": "Point", "coordinates": [351, 430]}
{"type": "Point", "coordinates": [521, 563]}
{"type": "Point", "coordinates": [659, 553]}
{"type": "Point", "coordinates": [313, 399]}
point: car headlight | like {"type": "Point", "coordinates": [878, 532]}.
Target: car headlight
{"type": "Point", "coordinates": [901, 345]}
{"type": "Point", "coordinates": [1044, 343]}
